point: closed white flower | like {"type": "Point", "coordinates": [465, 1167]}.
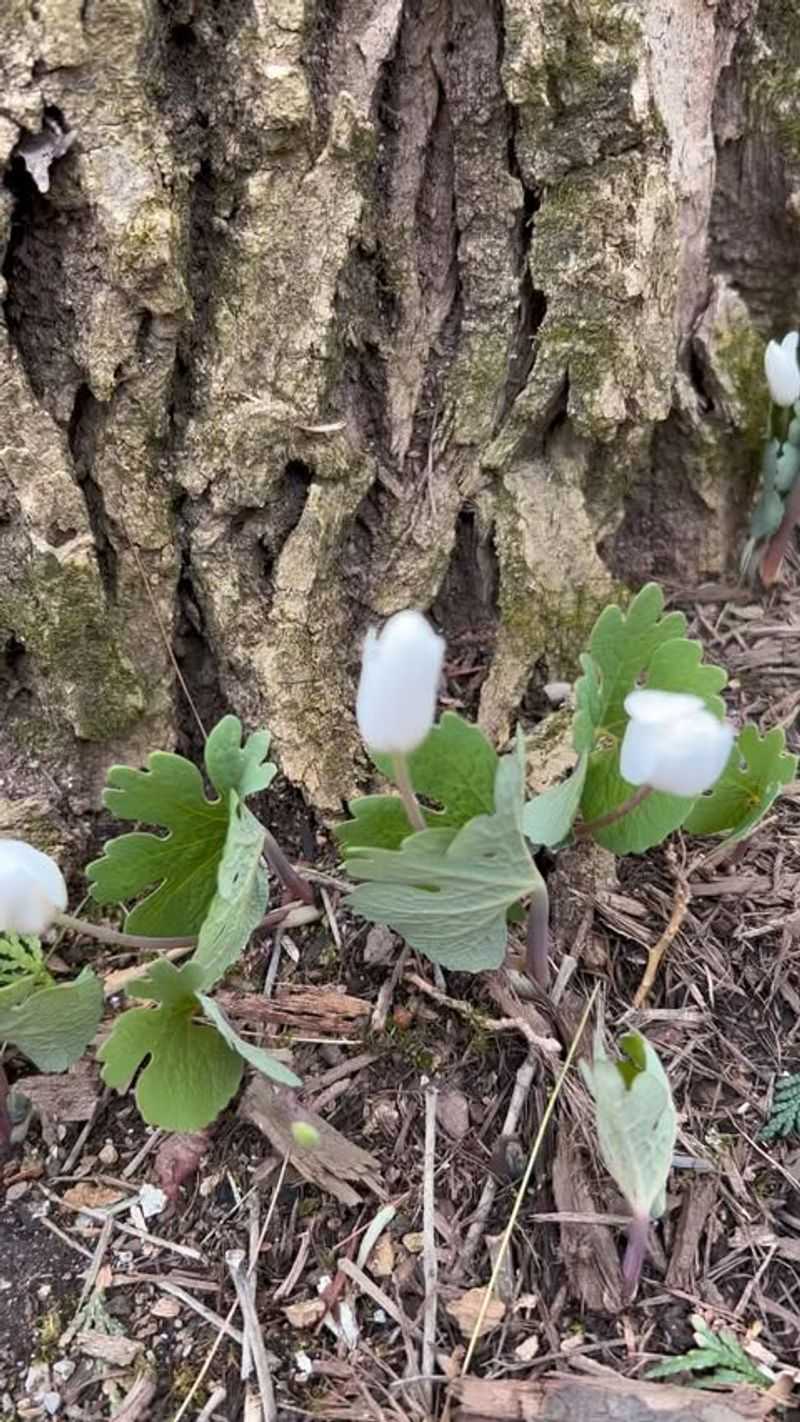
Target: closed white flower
{"type": "Point", "coordinates": [32, 889]}
{"type": "Point", "coordinates": [782, 370]}
{"type": "Point", "coordinates": [399, 680]}
{"type": "Point", "coordinates": [673, 743]}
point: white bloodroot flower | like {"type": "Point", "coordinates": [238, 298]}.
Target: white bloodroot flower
{"type": "Point", "coordinates": [32, 889]}
{"type": "Point", "coordinates": [782, 370]}
{"type": "Point", "coordinates": [400, 674]}
{"type": "Point", "coordinates": [673, 743]}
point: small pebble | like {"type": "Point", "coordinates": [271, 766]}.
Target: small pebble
{"type": "Point", "coordinates": [109, 1155]}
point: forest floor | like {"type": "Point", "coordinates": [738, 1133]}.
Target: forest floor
{"type": "Point", "coordinates": [118, 1283]}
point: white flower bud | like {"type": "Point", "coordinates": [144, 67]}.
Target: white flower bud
{"type": "Point", "coordinates": [399, 680]}
{"type": "Point", "coordinates": [32, 889]}
{"type": "Point", "coordinates": [782, 370]}
{"type": "Point", "coordinates": [673, 743]}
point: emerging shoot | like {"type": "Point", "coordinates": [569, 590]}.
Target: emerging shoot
{"type": "Point", "coordinates": [636, 1130]}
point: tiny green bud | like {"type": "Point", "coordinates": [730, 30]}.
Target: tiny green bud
{"type": "Point", "coordinates": [305, 1135]}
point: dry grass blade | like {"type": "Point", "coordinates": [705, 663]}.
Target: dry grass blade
{"type": "Point", "coordinates": [535, 1148]}
{"type": "Point", "coordinates": [683, 898]}
{"type": "Point", "coordinates": [245, 1294]}
{"type": "Point", "coordinates": [429, 1264]}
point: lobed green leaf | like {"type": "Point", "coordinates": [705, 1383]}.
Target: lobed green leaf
{"type": "Point", "coordinates": [179, 868]}
{"type": "Point", "coordinates": [191, 1072]}
{"type": "Point", "coordinates": [448, 894]}
{"type": "Point", "coordinates": [757, 771]}
{"type": "Point", "coordinates": [52, 1025]}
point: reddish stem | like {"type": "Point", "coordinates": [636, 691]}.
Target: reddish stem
{"type": "Point", "coordinates": [602, 821]}
{"type": "Point", "coordinates": [537, 946]}
{"type": "Point", "coordinates": [635, 1255]}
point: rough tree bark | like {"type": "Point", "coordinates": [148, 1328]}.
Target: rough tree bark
{"type": "Point", "coordinates": [318, 308]}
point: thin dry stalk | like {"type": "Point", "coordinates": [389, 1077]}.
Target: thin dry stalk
{"type": "Point", "coordinates": [212, 1352]}
{"type": "Point", "coordinates": [519, 1095]}
{"type": "Point", "coordinates": [429, 1264]}
{"type": "Point", "coordinates": [523, 1187]}
{"type": "Point", "coordinates": [88, 1283]}
{"type": "Point", "coordinates": [216, 1400]}
{"type": "Point", "coordinates": [244, 1285]}
{"type": "Point", "coordinates": [683, 898]}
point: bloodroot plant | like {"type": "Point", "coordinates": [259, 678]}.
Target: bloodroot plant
{"type": "Point", "coordinates": [777, 511]}
{"type": "Point", "coordinates": [448, 860]}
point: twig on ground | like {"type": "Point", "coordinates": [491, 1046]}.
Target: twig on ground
{"type": "Point", "coordinates": [136, 1402]}
{"type": "Point", "coordinates": [525, 1181]}
{"type": "Point", "coordinates": [386, 994]}
{"type": "Point", "coordinates": [216, 1400]}
{"type": "Point", "coordinates": [475, 1233]}
{"type": "Point", "coordinates": [83, 1135]}
{"type": "Point", "coordinates": [549, 1045]}
{"type": "Point", "coordinates": [142, 1154]}
{"type": "Point", "coordinates": [683, 898]}
{"type": "Point", "coordinates": [429, 1265]}
{"type": "Point", "coordinates": [378, 1296]}
{"type": "Point", "coordinates": [88, 1284]}
{"type": "Point", "coordinates": [244, 1284]}
{"type": "Point", "coordinates": [212, 1352]}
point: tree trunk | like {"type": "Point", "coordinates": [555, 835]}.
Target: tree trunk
{"type": "Point", "coordinates": [318, 310]}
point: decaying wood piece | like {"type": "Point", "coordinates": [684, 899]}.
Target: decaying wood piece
{"type": "Point", "coordinates": [331, 1164]}
{"type": "Point", "coordinates": [611, 1399]}
{"type": "Point", "coordinates": [305, 1009]}
{"type": "Point", "coordinates": [698, 1202]}
{"type": "Point", "coordinates": [589, 1252]}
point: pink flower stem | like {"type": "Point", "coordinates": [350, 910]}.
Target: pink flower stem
{"type": "Point", "coordinates": [402, 780]}
{"type": "Point", "coordinates": [603, 821]}
{"type": "Point", "coordinates": [537, 944]}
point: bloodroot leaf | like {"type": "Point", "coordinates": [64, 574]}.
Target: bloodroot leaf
{"type": "Point", "coordinates": [756, 773]}
{"type": "Point", "coordinates": [54, 1025]}
{"type": "Point", "coordinates": [448, 894]}
{"type": "Point", "coordinates": [191, 1073]}
{"type": "Point", "coordinates": [636, 1121]}
{"type": "Point", "coordinates": [181, 867]}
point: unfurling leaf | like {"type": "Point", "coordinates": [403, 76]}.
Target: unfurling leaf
{"type": "Point", "coordinates": [455, 766]}
{"type": "Point", "coordinates": [758, 769]}
{"type": "Point", "coordinates": [183, 864]}
{"type": "Point", "coordinates": [447, 892]}
{"type": "Point", "coordinates": [53, 1025]}
{"type": "Point", "coordinates": [636, 1121]}
{"type": "Point", "coordinates": [191, 1073]}
{"type": "Point", "coordinates": [22, 957]}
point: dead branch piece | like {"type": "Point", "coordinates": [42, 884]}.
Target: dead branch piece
{"type": "Point", "coordinates": [216, 1400]}
{"type": "Point", "coordinates": [136, 1402]}
{"type": "Point", "coordinates": [306, 1009]}
{"type": "Point", "coordinates": [428, 1353]}
{"type": "Point", "coordinates": [386, 993]}
{"type": "Point", "coordinates": [332, 1164]}
{"type": "Point", "coordinates": [245, 1295]}
{"type": "Point", "coordinates": [549, 1045]}
{"type": "Point", "coordinates": [588, 1251]}
{"type": "Point", "coordinates": [683, 898]}
{"type": "Point", "coordinates": [586, 1398]}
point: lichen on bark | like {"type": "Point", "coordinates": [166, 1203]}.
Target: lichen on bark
{"type": "Point", "coordinates": [330, 309]}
